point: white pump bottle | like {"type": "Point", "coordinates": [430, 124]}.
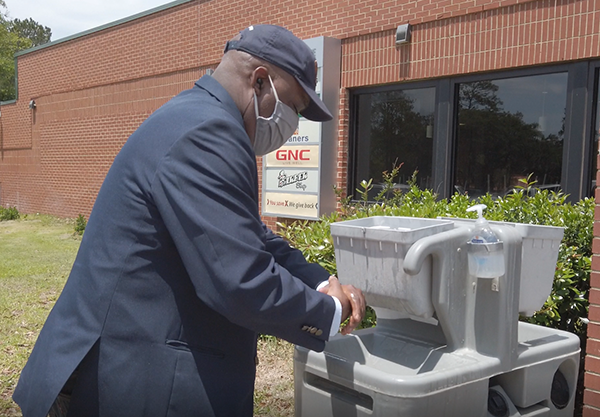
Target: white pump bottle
{"type": "Point", "coordinates": [486, 255]}
{"type": "Point", "coordinates": [482, 233]}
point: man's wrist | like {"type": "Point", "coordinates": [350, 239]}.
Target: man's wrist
{"type": "Point", "coordinates": [322, 284]}
{"type": "Point", "coordinates": [337, 317]}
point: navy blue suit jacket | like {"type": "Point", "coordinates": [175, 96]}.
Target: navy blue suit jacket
{"type": "Point", "coordinates": [175, 276]}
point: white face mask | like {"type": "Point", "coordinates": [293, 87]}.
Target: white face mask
{"type": "Point", "coordinates": [272, 132]}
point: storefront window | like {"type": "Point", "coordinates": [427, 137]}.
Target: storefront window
{"type": "Point", "coordinates": [510, 129]}
{"type": "Point", "coordinates": [596, 133]}
{"type": "Point", "coordinates": [394, 128]}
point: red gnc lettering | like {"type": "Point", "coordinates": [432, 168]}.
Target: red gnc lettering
{"type": "Point", "coordinates": [292, 155]}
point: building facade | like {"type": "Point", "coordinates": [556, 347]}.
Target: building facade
{"type": "Point", "coordinates": [484, 93]}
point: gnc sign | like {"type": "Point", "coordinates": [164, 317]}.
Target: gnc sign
{"type": "Point", "coordinates": [293, 154]}
{"type": "Point", "coordinates": [296, 156]}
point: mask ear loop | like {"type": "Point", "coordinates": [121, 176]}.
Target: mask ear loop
{"type": "Point", "coordinates": [273, 87]}
{"type": "Point", "coordinates": [256, 99]}
{"type": "Point", "coordinates": [256, 105]}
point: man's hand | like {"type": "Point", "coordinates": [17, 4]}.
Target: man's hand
{"type": "Point", "coordinates": [357, 301]}
{"type": "Point", "coordinates": [352, 300]}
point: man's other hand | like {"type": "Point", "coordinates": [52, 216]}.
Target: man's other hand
{"type": "Point", "coordinates": [352, 300]}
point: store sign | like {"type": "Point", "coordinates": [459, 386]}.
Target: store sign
{"type": "Point", "coordinates": [298, 177]}
{"type": "Point", "coordinates": [292, 205]}
{"type": "Point", "coordinates": [308, 133]}
{"type": "Point", "coordinates": [294, 156]}
{"type": "Point", "coordinates": [283, 180]}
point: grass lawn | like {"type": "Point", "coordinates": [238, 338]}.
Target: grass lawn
{"type": "Point", "coordinates": [36, 254]}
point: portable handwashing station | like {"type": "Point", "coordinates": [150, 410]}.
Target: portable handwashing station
{"type": "Point", "coordinates": [448, 340]}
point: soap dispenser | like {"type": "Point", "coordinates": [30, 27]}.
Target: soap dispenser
{"type": "Point", "coordinates": [482, 232]}
{"type": "Point", "coordinates": [485, 252]}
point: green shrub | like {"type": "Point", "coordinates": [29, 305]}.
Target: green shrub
{"type": "Point", "coordinates": [80, 224]}
{"type": "Point", "coordinates": [568, 301]}
{"type": "Point", "coordinates": [9, 213]}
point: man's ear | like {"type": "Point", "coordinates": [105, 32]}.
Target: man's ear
{"type": "Point", "coordinates": [259, 75]}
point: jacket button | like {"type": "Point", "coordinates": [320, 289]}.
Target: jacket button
{"type": "Point", "coordinates": [319, 332]}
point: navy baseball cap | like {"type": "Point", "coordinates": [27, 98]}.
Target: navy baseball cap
{"type": "Point", "coordinates": [281, 47]}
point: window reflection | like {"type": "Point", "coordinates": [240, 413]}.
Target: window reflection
{"type": "Point", "coordinates": [395, 127]}
{"type": "Point", "coordinates": [596, 133]}
{"type": "Point", "coordinates": [508, 129]}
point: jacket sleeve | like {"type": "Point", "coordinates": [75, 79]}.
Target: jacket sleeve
{"type": "Point", "coordinates": [294, 261]}
{"type": "Point", "coordinates": [205, 191]}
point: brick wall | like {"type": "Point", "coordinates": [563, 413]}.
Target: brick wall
{"type": "Point", "coordinates": [121, 74]}
{"type": "Point", "coordinates": [531, 33]}
{"type": "Point", "coordinates": [161, 43]}
{"type": "Point", "coordinates": [93, 91]}
{"type": "Point", "coordinates": [591, 396]}
{"type": "Point", "coordinates": [74, 136]}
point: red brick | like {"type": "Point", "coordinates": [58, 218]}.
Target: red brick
{"type": "Point", "coordinates": [591, 398]}
{"type": "Point", "coordinates": [593, 347]}
{"type": "Point", "coordinates": [595, 279]}
{"type": "Point", "coordinates": [594, 294]}
{"type": "Point", "coordinates": [594, 313]}
{"type": "Point", "coordinates": [590, 411]}
{"type": "Point", "coordinates": [593, 331]}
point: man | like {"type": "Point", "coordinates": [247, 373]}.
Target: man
{"type": "Point", "coordinates": [176, 274]}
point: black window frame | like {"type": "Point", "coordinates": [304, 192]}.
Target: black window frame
{"type": "Point", "coordinates": [594, 81]}
{"type": "Point", "coordinates": [353, 119]}
{"type": "Point", "coordinates": [582, 90]}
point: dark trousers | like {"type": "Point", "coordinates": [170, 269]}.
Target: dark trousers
{"type": "Point", "coordinates": [60, 407]}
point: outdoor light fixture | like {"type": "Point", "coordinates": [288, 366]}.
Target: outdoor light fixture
{"type": "Point", "coordinates": [32, 104]}
{"type": "Point", "coordinates": [403, 34]}
{"type": "Point", "coordinates": [429, 131]}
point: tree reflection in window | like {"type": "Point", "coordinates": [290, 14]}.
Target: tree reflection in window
{"type": "Point", "coordinates": [508, 129]}
{"type": "Point", "coordinates": [596, 133]}
{"type": "Point", "coordinates": [395, 127]}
